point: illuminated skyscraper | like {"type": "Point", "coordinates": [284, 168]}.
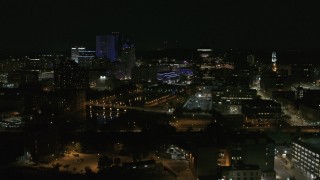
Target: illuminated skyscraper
{"type": "Point", "coordinates": [128, 58]}
{"type": "Point", "coordinates": [274, 61]}
{"type": "Point", "coordinates": [204, 66]}
{"type": "Point", "coordinates": [108, 46]}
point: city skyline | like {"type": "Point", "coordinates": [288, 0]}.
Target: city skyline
{"type": "Point", "coordinates": [159, 90]}
{"type": "Point", "coordinates": [55, 26]}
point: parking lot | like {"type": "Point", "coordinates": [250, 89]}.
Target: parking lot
{"type": "Point", "coordinates": [198, 102]}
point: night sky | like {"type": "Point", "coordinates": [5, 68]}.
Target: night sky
{"type": "Point", "coordinates": [56, 25]}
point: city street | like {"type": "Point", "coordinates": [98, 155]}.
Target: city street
{"type": "Point", "coordinates": [184, 124]}
{"type": "Point", "coordinates": [283, 170]}
{"type": "Point", "coordinates": [294, 120]}
{"type": "Point", "coordinates": [74, 163]}
{"type": "Point", "coordinates": [78, 162]}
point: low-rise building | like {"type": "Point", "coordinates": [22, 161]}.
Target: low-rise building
{"type": "Point", "coordinates": [249, 172]}
{"type": "Point", "coordinates": [243, 156]}
{"type": "Point", "coordinates": [261, 112]}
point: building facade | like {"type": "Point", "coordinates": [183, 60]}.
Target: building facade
{"type": "Point", "coordinates": [241, 173]}
{"type": "Point", "coordinates": [70, 83]}
{"type": "Point", "coordinates": [306, 156]}
{"type": "Point", "coordinates": [261, 112]}
{"type": "Point", "coordinates": [244, 156]}
{"type": "Point", "coordinates": [108, 46]}
{"type": "Point", "coordinates": [204, 66]}
{"type": "Point", "coordinates": [75, 53]}
{"type": "Point", "coordinates": [68, 75]}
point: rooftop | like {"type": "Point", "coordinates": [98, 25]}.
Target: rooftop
{"type": "Point", "coordinates": [313, 142]}
{"type": "Point", "coordinates": [239, 168]}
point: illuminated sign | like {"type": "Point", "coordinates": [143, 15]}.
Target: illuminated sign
{"type": "Point", "coordinates": [204, 50]}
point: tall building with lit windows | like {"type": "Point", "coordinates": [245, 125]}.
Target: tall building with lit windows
{"type": "Point", "coordinates": [261, 112]}
{"type": "Point", "coordinates": [306, 156]}
{"type": "Point", "coordinates": [70, 83]}
{"type": "Point", "coordinates": [85, 58]}
{"type": "Point", "coordinates": [109, 46]}
{"type": "Point", "coordinates": [75, 53]}
{"type": "Point", "coordinates": [274, 61]}
{"type": "Point", "coordinates": [204, 66]}
{"type": "Point", "coordinates": [128, 58]}
{"type": "Point", "coordinates": [68, 75]}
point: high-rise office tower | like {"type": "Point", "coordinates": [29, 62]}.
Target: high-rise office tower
{"type": "Point", "coordinates": [102, 48]}
{"type": "Point", "coordinates": [128, 58]}
{"type": "Point", "coordinates": [108, 46]}
{"type": "Point", "coordinates": [118, 41]}
{"type": "Point", "coordinates": [75, 53]}
{"type": "Point", "coordinates": [70, 83]}
{"type": "Point", "coordinates": [68, 75]}
{"type": "Point", "coordinates": [204, 66]}
{"type": "Point", "coordinates": [274, 61]}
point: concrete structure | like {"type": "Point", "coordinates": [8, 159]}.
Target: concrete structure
{"type": "Point", "coordinates": [306, 156]}
{"type": "Point", "coordinates": [228, 100]}
{"type": "Point", "coordinates": [204, 66]}
{"type": "Point", "coordinates": [108, 46]}
{"type": "Point", "coordinates": [23, 77]}
{"type": "Point", "coordinates": [70, 81]}
{"type": "Point", "coordinates": [241, 172]}
{"type": "Point", "coordinates": [128, 59]}
{"type": "Point", "coordinates": [261, 112]}
{"type": "Point", "coordinates": [75, 53]}
{"type": "Point", "coordinates": [85, 58]}
{"type": "Point", "coordinates": [237, 156]}
{"type": "Point", "coordinates": [232, 95]}
{"type": "Point", "coordinates": [68, 75]}
{"type": "Point", "coordinates": [253, 149]}
{"type": "Point", "coordinates": [203, 162]}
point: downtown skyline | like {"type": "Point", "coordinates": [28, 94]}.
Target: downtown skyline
{"type": "Point", "coordinates": [55, 26]}
{"type": "Point", "coordinates": [219, 89]}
